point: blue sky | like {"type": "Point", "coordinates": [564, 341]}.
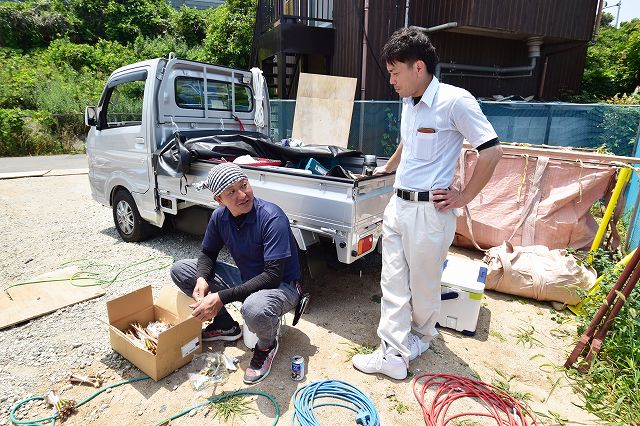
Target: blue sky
{"type": "Point", "coordinates": [629, 9]}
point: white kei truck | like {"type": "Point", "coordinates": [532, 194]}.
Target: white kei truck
{"type": "Point", "coordinates": [161, 125]}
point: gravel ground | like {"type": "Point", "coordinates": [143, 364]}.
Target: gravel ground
{"type": "Point", "coordinates": [48, 221]}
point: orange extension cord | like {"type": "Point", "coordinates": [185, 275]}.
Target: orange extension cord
{"type": "Point", "coordinates": [500, 406]}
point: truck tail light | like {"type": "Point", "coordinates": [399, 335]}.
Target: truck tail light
{"type": "Point", "coordinates": [365, 244]}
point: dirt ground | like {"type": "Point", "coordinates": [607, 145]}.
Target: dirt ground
{"type": "Point", "coordinates": [50, 220]}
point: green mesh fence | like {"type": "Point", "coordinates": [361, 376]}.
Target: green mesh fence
{"type": "Point", "coordinates": [375, 124]}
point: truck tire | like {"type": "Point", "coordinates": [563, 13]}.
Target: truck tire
{"type": "Point", "coordinates": [130, 225]}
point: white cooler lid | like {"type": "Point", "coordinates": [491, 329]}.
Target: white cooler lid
{"type": "Point", "coordinates": [465, 274]}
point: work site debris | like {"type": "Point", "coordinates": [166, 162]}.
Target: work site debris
{"type": "Point", "coordinates": [147, 337]}
{"type": "Point", "coordinates": [93, 380]}
{"type": "Point", "coordinates": [64, 407]}
{"type": "Point", "coordinates": [211, 370]}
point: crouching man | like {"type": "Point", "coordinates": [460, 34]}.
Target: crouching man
{"type": "Point", "coordinates": [266, 279]}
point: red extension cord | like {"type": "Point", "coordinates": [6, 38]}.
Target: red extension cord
{"type": "Point", "coordinates": [500, 406]}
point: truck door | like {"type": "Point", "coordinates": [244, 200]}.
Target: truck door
{"type": "Point", "coordinates": [119, 152]}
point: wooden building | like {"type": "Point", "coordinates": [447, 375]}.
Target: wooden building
{"type": "Point", "coordinates": [490, 47]}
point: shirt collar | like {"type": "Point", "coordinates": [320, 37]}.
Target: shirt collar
{"type": "Point", "coordinates": [428, 95]}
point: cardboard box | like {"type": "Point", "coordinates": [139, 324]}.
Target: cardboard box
{"type": "Point", "coordinates": [176, 346]}
{"type": "Point", "coordinates": [461, 292]}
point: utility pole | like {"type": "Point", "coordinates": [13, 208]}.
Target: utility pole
{"type": "Point", "coordinates": [618, 12]}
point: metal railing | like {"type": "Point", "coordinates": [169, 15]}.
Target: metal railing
{"type": "Point", "coordinates": [308, 12]}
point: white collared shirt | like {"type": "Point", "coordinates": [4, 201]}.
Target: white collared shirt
{"type": "Point", "coordinates": [445, 116]}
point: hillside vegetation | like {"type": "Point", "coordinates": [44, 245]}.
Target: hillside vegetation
{"type": "Point", "coordinates": [55, 56]}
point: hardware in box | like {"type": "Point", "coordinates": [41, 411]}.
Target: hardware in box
{"type": "Point", "coordinates": [462, 290]}
{"type": "Point", "coordinates": [175, 347]}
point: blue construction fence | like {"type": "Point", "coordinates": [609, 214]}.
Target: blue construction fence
{"type": "Point", "coordinates": [375, 127]}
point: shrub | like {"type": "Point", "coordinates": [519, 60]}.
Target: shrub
{"type": "Point", "coordinates": [230, 33]}
{"type": "Point", "coordinates": [160, 47]}
{"type": "Point", "coordinates": [116, 20]}
{"type": "Point", "coordinates": [190, 24]}
{"type": "Point", "coordinates": [26, 25]}
{"type": "Point", "coordinates": [610, 388]}
{"type": "Point", "coordinates": [24, 132]}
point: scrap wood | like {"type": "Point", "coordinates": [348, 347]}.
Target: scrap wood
{"type": "Point", "coordinates": [25, 302]}
{"type": "Point", "coordinates": [93, 380]}
{"type": "Point", "coordinates": [146, 337]}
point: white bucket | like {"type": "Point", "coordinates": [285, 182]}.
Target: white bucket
{"type": "Point", "coordinates": [250, 339]}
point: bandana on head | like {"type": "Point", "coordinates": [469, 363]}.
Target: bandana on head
{"type": "Point", "coordinates": [221, 177]}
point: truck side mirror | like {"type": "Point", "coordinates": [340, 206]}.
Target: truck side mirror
{"type": "Point", "coordinates": [90, 116]}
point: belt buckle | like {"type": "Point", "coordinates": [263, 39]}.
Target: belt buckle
{"type": "Point", "coordinates": [413, 196]}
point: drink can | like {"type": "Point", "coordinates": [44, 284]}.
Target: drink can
{"type": "Point", "coordinates": [297, 368]}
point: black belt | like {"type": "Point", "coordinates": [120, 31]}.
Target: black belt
{"type": "Point", "coordinates": [412, 195]}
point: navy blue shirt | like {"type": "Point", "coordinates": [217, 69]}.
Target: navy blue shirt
{"type": "Point", "coordinates": [264, 235]}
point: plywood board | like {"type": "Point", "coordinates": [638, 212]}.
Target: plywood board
{"type": "Point", "coordinates": [33, 300]}
{"type": "Point", "coordinates": [323, 109]}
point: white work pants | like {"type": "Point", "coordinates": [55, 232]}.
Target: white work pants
{"type": "Point", "coordinates": [416, 239]}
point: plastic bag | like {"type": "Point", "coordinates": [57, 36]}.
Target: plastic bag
{"type": "Point", "coordinates": [212, 369]}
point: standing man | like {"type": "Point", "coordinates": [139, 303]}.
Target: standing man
{"type": "Point", "coordinates": [420, 220]}
{"type": "Point", "coordinates": [266, 279]}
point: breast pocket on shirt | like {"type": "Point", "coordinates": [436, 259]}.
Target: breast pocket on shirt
{"type": "Point", "coordinates": [426, 146]}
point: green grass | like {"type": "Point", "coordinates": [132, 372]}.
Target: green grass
{"type": "Point", "coordinates": [504, 383]}
{"type": "Point", "coordinates": [526, 337]}
{"type": "Point", "coordinates": [610, 387]}
{"type": "Point", "coordinates": [398, 406]}
{"type": "Point", "coordinates": [497, 335]}
{"type": "Point", "coordinates": [230, 408]}
{"type": "Point", "coordinates": [355, 349]}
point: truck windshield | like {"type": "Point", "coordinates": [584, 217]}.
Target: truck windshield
{"type": "Point", "coordinates": [190, 94]}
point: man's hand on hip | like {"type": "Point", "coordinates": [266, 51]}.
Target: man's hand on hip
{"type": "Point", "coordinates": [446, 199]}
{"type": "Point", "coordinates": [201, 289]}
{"type": "Point", "coordinates": [207, 308]}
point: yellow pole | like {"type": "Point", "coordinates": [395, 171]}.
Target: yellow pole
{"type": "Point", "coordinates": [623, 178]}
{"type": "Point", "coordinates": [577, 309]}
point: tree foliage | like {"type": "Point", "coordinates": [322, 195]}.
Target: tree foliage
{"type": "Point", "coordinates": [115, 20]}
{"type": "Point", "coordinates": [30, 24]}
{"type": "Point", "coordinates": [613, 62]}
{"type": "Point", "coordinates": [230, 33]}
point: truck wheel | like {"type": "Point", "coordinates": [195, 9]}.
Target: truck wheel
{"type": "Point", "coordinates": [130, 225]}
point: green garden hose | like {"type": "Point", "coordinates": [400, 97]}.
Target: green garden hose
{"type": "Point", "coordinates": [90, 270]}
{"type": "Point", "coordinates": [38, 422]}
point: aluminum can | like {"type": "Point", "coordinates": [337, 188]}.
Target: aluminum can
{"type": "Point", "coordinates": [297, 368]}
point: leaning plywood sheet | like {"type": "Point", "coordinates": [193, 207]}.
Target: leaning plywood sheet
{"type": "Point", "coordinates": [323, 109]}
{"type": "Point", "coordinates": [33, 300]}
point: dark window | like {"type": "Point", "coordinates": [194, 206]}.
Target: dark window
{"type": "Point", "coordinates": [190, 94]}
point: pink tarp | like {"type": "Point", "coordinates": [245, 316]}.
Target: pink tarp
{"type": "Point", "coordinates": [534, 200]}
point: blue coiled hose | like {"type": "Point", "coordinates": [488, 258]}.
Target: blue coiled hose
{"type": "Point", "coordinates": [304, 402]}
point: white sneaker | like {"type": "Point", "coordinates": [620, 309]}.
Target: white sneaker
{"type": "Point", "coordinates": [377, 362]}
{"type": "Point", "coordinates": [416, 346]}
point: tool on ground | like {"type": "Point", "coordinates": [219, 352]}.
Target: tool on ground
{"type": "Point", "coordinates": [591, 340]}
{"type": "Point", "coordinates": [304, 402]}
{"type": "Point", "coordinates": [301, 307]}
{"type": "Point", "coordinates": [499, 405]}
